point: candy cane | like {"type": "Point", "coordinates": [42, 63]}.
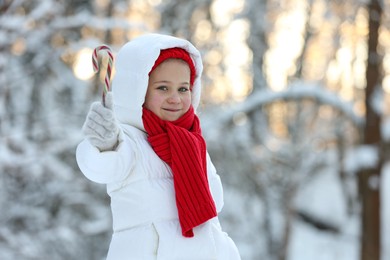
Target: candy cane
{"type": "Point", "coordinates": [95, 64]}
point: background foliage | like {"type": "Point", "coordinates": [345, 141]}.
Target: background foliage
{"type": "Point", "coordinates": [284, 113]}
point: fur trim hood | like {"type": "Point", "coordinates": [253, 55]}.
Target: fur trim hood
{"type": "Point", "coordinates": [133, 63]}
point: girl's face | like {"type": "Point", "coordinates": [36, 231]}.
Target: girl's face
{"type": "Point", "coordinates": [168, 95]}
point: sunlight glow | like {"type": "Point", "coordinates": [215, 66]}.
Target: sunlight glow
{"type": "Point", "coordinates": [203, 31]}
{"type": "Point", "coordinates": [344, 58]}
{"type": "Point", "coordinates": [333, 72]}
{"type": "Point", "coordinates": [18, 47]}
{"type": "Point", "coordinates": [234, 55]}
{"type": "Point", "coordinates": [359, 65]}
{"type": "Point", "coordinates": [386, 68]}
{"type": "Point", "coordinates": [154, 2]}
{"type": "Point", "coordinates": [82, 68]}
{"type": "Point", "coordinates": [223, 11]}
{"type": "Point", "coordinates": [213, 58]}
{"type": "Point", "coordinates": [286, 44]}
{"type": "Point", "coordinates": [237, 58]}
{"type": "Point", "coordinates": [386, 84]}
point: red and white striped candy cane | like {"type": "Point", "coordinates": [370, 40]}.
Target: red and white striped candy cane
{"type": "Point", "coordinates": [95, 64]}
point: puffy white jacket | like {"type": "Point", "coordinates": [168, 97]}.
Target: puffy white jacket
{"type": "Point", "coordinates": [140, 184]}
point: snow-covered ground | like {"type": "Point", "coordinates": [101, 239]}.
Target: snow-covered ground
{"type": "Point", "coordinates": [323, 198]}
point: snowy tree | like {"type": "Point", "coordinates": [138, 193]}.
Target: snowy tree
{"type": "Point", "coordinates": [247, 132]}
{"type": "Point", "coordinates": [49, 209]}
{"type": "Point", "coordinates": [275, 168]}
{"type": "Point", "coordinates": [284, 108]}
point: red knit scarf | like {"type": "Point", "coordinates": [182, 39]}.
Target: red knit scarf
{"type": "Point", "coordinates": [180, 144]}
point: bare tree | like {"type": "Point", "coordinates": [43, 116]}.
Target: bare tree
{"type": "Point", "coordinates": [273, 169]}
{"type": "Point", "coordinates": [369, 178]}
{"type": "Point", "coordinates": [255, 11]}
{"type": "Point", "coordinates": [49, 207]}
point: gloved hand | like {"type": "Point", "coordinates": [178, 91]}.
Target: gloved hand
{"type": "Point", "coordinates": [101, 127]}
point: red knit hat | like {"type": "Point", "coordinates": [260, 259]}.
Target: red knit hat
{"type": "Point", "coordinates": [176, 53]}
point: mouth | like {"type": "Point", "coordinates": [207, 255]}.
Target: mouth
{"type": "Point", "coordinates": [171, 109]}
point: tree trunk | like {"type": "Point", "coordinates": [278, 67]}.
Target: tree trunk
{"type": "Point", "coordinates": [369, 179]}
{"type": "Point", "coordinates": [257, 41]}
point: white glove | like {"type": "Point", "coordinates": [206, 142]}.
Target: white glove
{"type": "Point", "coordinates": [101, 127]}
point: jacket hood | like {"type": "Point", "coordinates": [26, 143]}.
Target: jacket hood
{"type": "Point", "coordinates": [133, 64]}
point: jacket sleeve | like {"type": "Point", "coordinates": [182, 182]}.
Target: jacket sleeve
{"type": "Point", "coordinates": [105, 167]}
{"type": "Point", "coordinates": [215, 184]}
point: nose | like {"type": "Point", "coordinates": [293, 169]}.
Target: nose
{"type": "Point", "coordinates": [174, 98]}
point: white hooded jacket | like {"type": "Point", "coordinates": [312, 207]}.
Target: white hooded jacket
{"type": "Point", "coordinates": [140, 184]}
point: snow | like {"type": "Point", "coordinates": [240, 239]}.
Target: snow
{"type": "Point", "coordinates": [361, 157]}
{"type": "Point", "coordinates": [324, 196]}
{"type": "Point", "coordinates": [308, 244]}
{"type": "Point", "coordinates": [385, 200]}
{"type": "Point", "coordinates": [50, 209]}
{"type": "Point", "coordinates": [377, 101]}
{"type": "Point", "coordinates": [319, 198]}
{"type": "Point", "coordinates": [297, 90]}
{"type": "Point", "coordinates": [385, 129]}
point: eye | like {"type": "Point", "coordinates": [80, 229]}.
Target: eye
{"type": "Point", "coordinates": [164, 88]}
{"type": "Point", "coordinates": [184, 89]}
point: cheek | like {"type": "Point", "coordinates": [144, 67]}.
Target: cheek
{"type": "Point", "coordinates": [187, 101]}
{"type": "Point", "coordinates": [151, 101]}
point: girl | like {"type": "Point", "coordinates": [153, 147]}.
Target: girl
{"type": "Point", "coordinates": [146, 146]}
